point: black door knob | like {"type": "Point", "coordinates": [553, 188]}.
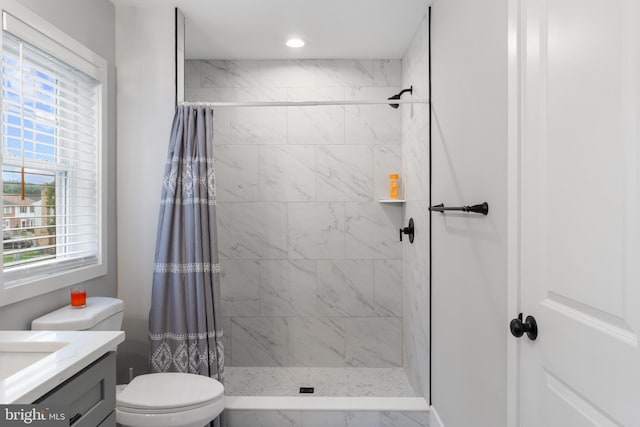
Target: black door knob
{"type": "Point", "coordinates": [529, 327]}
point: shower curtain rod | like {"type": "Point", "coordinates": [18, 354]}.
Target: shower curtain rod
{"type": "Point", "coordinates": [303, 103]}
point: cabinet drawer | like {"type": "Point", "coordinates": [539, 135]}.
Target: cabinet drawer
{"type": "Point", "coordinates": [90, 395]}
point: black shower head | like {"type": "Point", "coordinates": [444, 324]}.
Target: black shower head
{"type": "Point", "coordinates": [398, 95]}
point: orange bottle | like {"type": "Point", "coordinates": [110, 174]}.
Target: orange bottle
{"type": "Point", "coordinates": [394, 183]}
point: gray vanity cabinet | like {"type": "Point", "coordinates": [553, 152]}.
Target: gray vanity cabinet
{"type": "Point", "coordinates": [90, 395]}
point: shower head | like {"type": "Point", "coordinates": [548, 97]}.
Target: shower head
{"type": "Point", "coordinates": [398, 95]}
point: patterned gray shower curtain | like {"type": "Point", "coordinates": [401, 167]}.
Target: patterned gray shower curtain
{"type": "Point", "coordinates": [185, 328]}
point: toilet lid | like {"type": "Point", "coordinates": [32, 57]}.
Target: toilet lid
{"type": "Point", "coordinates": [169, 391]}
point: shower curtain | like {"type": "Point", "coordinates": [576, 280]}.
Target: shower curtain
{"type": "Point", "coordinates": [185, 328]}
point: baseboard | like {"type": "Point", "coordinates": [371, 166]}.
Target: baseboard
{"type": "Point", "coordinates": [434, 418]}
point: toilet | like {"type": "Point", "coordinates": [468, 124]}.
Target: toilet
{"type": "Point", "coordinates": [164, 399]}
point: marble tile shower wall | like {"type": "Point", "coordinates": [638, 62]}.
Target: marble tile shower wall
{"type": "Point", "coordinates": [415, 151]}
{"type": "Point", "coordinates": [311, 263]}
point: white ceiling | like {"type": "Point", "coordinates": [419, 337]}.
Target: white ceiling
{"type": "Point", "coordinates": [258, 29]}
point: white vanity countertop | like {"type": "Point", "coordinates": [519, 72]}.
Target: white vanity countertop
{"type": "Point", "coordinates": [33, 381]}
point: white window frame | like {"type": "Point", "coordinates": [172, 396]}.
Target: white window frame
{"type": "Point", "coordinates": [33, 29]}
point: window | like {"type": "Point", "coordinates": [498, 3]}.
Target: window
{"type": "Point", "coordinates": [52, 132]}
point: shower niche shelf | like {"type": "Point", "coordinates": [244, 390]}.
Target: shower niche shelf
{"type": "Point", "coordinates": [392, 201]}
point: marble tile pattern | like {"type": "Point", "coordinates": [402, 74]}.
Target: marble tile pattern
{"type": "Point", "coordinates": [367, 231]}
{"type": "Point", "coordinates": [415, 155]}
{"type": "Point", "coordinates": [288, 288]}
{"type": "Point", "coordinates": [239, 164]}
{"type": "Point", "coordinates": [373, 341]}
{"type": "Point", "coordinates": [316, 230]}
{"type": "Point", "coordinates": [346, 288]}
{"type": "Point", "coordinates": [345, 173]}
{"type": "Point", "coordinates": [259, 341]}
{"type": "Point", "coordinates": [316, 341]}
{"type": "Point", "coordinates": [265, 418]}
{"type": "Point", "coordinates": [310, 260]}
{"type": "Point", "coordinates": [387, 292]}
{"type": "Point", "coordinates": [239, 288]}
{"type": "Point", "coordinates": [252, 231]}
{"type": "Point", "coordinates": [404, 419]}
{"type": "Point", "coordinates": [287, 173]}
{"type": "Point", "coordinates": [369, 382]}
{"type": "Point", "coordinates": [340, 418]}
{"type": "Point", "coordinates": [274, 381]}
{"type": "Point", "coordinates": [262, 418]}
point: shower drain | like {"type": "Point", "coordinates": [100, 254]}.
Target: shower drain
{"type": "Point", "coordinates": [306, 390]}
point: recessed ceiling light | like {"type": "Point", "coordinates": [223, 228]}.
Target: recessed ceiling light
{"type": "Point", "coordinates": [295, 42]}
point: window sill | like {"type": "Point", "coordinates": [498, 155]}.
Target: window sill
{"type": "Point", "coordinates": [22, 290]}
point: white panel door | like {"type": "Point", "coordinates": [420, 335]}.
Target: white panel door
{"type": "Point", "coordinates": [579, 216]}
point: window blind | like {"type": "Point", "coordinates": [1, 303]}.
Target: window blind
{"type": "Point", "coordinates": [50, 136]}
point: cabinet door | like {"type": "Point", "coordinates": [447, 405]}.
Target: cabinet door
{"type": "Point", "coordinates": [110, 421]}
{"type": "Point", "coordinates": [90, 395]}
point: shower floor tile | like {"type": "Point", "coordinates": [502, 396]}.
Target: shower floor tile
{"type": "Point", "coordinates": [376, 382]}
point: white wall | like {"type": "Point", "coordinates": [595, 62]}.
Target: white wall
{"type": "Point", "coordinates": [146, 102]}
{"type": "Point", "coordinates": [92, 24]}
{"type": "Point", "coordinates": [469, 117]}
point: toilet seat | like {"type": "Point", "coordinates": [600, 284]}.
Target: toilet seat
{"type": "Point", "coordinates": [171, 399]}
{"type": "Point", "coordinates": [160, 411]}
{"type": "Point", "coordinates": [191, 418]}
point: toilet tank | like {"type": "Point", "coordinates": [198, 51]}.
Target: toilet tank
{"type": "Point", "coordinates": [100, 314]}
